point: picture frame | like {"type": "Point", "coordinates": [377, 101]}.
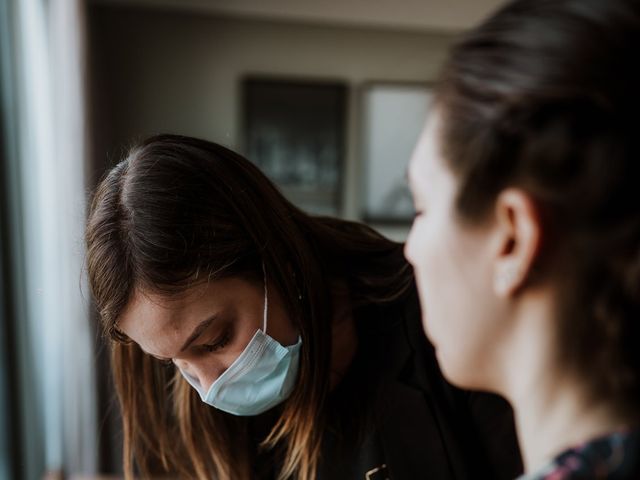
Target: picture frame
{"type": "Point", "coordinates": [392, 118]}
{"type": "Point", "coordinates": [294, 131]}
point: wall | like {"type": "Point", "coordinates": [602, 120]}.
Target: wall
{"type": "Point", "coordinates": [166, 71]}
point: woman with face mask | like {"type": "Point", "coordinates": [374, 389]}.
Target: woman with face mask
{"type": "Point", "coordinates": [528, 238]}
{"type": "Point", "coordinates": [251, 340]}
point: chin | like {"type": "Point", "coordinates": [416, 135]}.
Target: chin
{"type": "Point", "coordinates": [458, 372]}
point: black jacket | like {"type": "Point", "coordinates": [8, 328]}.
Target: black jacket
{"type": "Point", "coordinates": [395, 417]}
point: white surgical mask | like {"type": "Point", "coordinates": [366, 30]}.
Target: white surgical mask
{"type": "Point", "coordinates": [262, 377]}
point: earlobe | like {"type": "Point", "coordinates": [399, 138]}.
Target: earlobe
{"type": "Point", "coordinates": [507, 280]}
{"type": "Point", "coordinates": [519, 232]}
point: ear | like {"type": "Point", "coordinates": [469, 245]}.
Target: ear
{"type": "Point", "coordinates": [519, 231]}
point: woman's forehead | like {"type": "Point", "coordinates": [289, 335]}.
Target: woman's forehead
{"type": "Point", "coordinates": [160, 323]}
{"type": "Point", "coordinates": [147, 314]}
{"type": "Point", "coordinates": [426, 161]}
{"type": "Point", "coordinates": [153, 312]}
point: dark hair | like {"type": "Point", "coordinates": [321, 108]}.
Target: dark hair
{"type": "Point", "coordinates": [179, 211]}
{"type": "Point", "coordinates": [544, 96]}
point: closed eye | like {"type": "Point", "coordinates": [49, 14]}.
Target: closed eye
{"type": "Point", "coordinates": [219, 343]}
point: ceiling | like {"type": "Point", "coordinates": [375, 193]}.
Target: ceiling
{"type": "Point", "coordinates": [438, 15]}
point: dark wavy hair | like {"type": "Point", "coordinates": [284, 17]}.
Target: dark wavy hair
{"type": "Point", "coordinates": [544, 95]}
{"type": "Point", "coordinates": [179, 211]}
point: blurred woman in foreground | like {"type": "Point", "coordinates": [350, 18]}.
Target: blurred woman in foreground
{"type": "Point", "coordinates": [527, 241]}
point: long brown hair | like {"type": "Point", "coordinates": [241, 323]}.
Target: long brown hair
{"type": "Point", "coordinates": [179, 211]}
{"type": "Point", "coordinates": [544, 96]}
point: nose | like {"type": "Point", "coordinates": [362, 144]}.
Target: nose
{"type": "Point", "coordinates": [204, 373]}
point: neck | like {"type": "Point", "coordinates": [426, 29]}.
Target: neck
{"type": "Point", "coordinates": [552, 411]}
{"type": "Point", "coordinates": [555, 417]}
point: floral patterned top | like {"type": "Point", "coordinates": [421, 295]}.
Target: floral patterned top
{"type": "Point", "coordinates": [612, 457]}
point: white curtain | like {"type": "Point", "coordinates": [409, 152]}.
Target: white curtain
{"type": "Point", "coordinates": [55, 339]}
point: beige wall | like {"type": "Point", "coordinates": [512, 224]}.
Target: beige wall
{"type": "Point", "coordinates": [433, 15]}
{"type": "Point", "coordinates": [166, 71]}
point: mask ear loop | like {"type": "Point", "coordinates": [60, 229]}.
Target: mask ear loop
{"type": "Point", "coordinates": [266, 300]}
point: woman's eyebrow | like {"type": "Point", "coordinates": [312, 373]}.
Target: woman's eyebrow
{"type": "Point", "coordinates": [202, 326]}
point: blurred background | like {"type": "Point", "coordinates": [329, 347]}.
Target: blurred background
{"type": "Point", "coordinates": [328, 98]}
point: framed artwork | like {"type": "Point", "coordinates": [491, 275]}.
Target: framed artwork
{"type": "Point", "coordinates": [393, 116]}
{"type": "Point", "coordinates": [294, 131]}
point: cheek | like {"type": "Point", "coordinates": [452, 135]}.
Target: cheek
{"type": "Point", "coordinates": [428, 252]}
{"type": "Point", "coordinates": [456, 299]}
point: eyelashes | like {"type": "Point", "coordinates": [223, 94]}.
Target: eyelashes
{"type": "Point", "coordinates": [220, 343]}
